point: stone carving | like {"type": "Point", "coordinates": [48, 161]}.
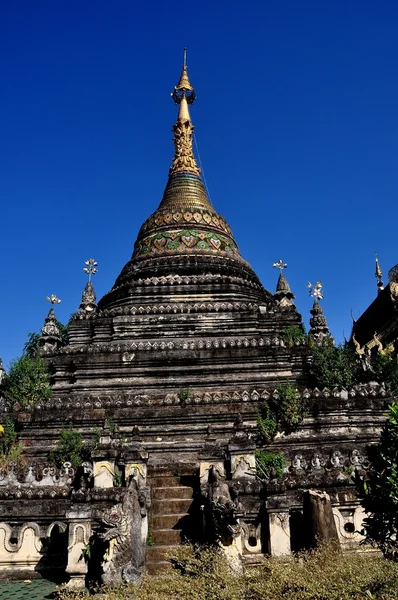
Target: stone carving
{"type": "Point", "coordinates": [37, 476]}
{"type": "Point", "coordinates": [89, 299]}
{"type": "Point", "coordinates": [337, 460]}
{"type": "Point", "coordinates": [299, 463]}
{"type": "Point", "coordinates": [26, 552]}
{"type": "Point", "coordinates": [317, 462]}
{"type": "Point", "coordinates": [219, 509]}
{"type": "Point", "coordinates": [50, 338]}
{"type": "Point", "coordinates": [122, 524]}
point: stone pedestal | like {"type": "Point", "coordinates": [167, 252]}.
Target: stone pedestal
{"type": "Point", "coordinates": [242, 457]}
{"type": "Point", "coordinates": [79, 537]}
{"type": "Point", "coordinates": [279, 532]}
{"type": "Point", "coordinates": [104, 464]}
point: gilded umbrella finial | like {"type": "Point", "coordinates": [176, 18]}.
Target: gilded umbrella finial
{"type": "Point", "coordinates": [183, 94]}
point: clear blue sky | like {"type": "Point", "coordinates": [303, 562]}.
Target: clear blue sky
{"type": "Point", "coordinates": [296, 121]}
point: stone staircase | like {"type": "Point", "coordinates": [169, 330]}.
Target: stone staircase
{"type": "Point", "coordinates": [171, 500]}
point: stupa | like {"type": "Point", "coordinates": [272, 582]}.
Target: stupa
{"type": "Point", "coordinates": [165, 377]}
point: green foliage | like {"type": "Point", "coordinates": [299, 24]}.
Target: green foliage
{"type": "Point", "coordinates": [70, 448]}
{"type": "Point", "coordinates": [86, 552]}
{"type": "Point", "coordinates": [10, 450]}
{"type": "Point", "coordinates": [282, 414]}
{"type": "Point", "coordinates": [184, 395]}
{"type": "Point", "coordinates": [379, 489]}
{"type": "Point", "coordinates": [31, 347]}
{"type": "Point", "coordinates": [27, 381]}
{"type": "Point", "coordinates": [386, 370]}
{"type": "Point", "coordinates": [334, 365]}
{"type": "Point", "coordinates": [117, 480]}
{"type": "Point", "coordinates": [269, 466]}
{"type": "Point", "coordinates": [8, 436]}
{"type": "Point", "coordinates": [204, 574]}
{"type": "Point", "coordinates": [293, 334]}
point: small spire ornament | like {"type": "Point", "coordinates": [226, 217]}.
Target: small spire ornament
{"type": "Point", "coordinates": [283, 295]}
{"type": "Point", "coordinates": [319, 327]}
{"type": "Point", "coordinates": [89, 299]}
{"type": "Point", "coordinates": [379, 275]}
{"type": "Point", "coordinates": [50, 338]}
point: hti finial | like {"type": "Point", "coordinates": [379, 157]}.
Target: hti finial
{"type": "Point", "coordinates": [280, 265]}
{"type": "Point", "coordinates": [184, 89]}
{"type": "Point", "coordinates": [53, 299]}
{"type": "Point", "coordinates": [183, 94]}
{"type": "Point", "coordinates": [315, 290]}
{"type": "Point", "coordinates": [90, 268]}
{"type": "Point", "coordinates": [379, 275]}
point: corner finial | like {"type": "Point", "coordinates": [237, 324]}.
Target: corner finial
{"type": "Point", "coordinates": [379, 275]}
{"type": "Point", "coordinates": [50, 338]}
{"type": "Point", "coordinates": [319, 329]}
{"type": "Point", "coordinates": [183, 95]}
{"type": "Point", "coordinates": [283, 295]}
{"type": "Point", "coordinates": [89, 299]}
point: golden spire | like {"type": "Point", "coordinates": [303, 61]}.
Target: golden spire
{"type": "Point", "coordinates": [379, 275]}
{"type": "Point", "coordinates": [183, 94]}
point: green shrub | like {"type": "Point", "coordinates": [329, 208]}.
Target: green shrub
{"type": "Point", "coordinates": [321, 575]}
{"type": "Point", "coordinates": [284, 413]}
{"type": "Point", "coordinates": [184, 395]}
{"type": "Point", "coordinates": [334, 366]}
{"type": "Point", "coordinates": [70, 448]}
{"type": "Point", "coordinates": [379, 489]}
{"type": "Point", "coordinates": [10, 449]}
{"type": "Point", "coordinates": [293, 334]}
{"type": "Point", "coordinates": [27, 382]}
{"type": "Point", "coordinates": [269, 465]}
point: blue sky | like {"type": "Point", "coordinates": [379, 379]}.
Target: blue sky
{"type": "Point", "coordinates": [296, 123]}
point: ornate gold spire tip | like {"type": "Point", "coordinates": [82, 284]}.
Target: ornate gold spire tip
{"type": "Point", "coordinates": [378, 272]}
{"type": "Point", "coordinates": [183, 94]}
{"type": "Point", "coordinates": [379, 275]}
{"type": "Point", "coordinates": [184, 87]}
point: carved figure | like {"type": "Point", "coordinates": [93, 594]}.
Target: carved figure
{"type": "Point", "coordinates": [125, 557]}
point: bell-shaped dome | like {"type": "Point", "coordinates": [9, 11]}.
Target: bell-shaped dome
{"type": "Point", "coordinates": [185, 235]}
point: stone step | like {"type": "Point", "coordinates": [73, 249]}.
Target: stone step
{"type": "Point", "coordinates": [164, 481]}
{"type": "Point", "coordinates": [169, 521]}
{"type": "Point", "coordinates": [172, 493]}
{"type": "Point", "coordinates": [159, 553]}
{"type": "Point", "coordinates": [157, 567]}
{"type": "Point", "coordinates": [170, 507]}
{"type": "Point", "coordinates": [166, 537]}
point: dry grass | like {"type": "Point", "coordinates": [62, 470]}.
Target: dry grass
{"type": "Point", "coordinates": [321, 575]}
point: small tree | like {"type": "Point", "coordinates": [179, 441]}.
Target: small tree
{"type": "Point", "coordinates": [379, 489]}
{"type": "Point", "coordinates": [70, 448]}
{"type": "Point", "coordinates": [27, 381]}
{"type": "Point", "coordinates": [334, 365]}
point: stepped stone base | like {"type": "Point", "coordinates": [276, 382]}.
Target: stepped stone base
{"type": "Point", "coordinates": [171, 501]}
